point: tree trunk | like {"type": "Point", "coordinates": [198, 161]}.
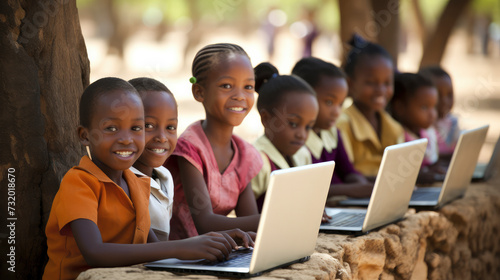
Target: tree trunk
{"type": "Point", "coordinates": [436, 43]}
{"type": "Point", "coordinates": [44, 69]}
{"type": "Point", "coordinates": [420, 25]}
{"type": "Point", "coordinates": [374, 20]}
{"type": "Point", "coordinates": [354, 18]}
{"type": "Point", "coordinates": [385, 15]}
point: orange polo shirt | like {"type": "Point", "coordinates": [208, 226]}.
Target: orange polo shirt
{"type": "Point", "coordinates": [87, 193]}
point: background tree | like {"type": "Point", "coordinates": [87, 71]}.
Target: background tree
{"type": "Point", "coordinates": [435, 44]}
{"type": "Point", "coordinates": [43, 69]}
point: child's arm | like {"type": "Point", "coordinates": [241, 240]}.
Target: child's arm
{"type": "Point", "coordinates": [198, 199]}
{"type": "Point", "coordinates": [211, 246]}
{"type": "Point", "coordinates": [246, 203]}
{"type": "Point", "coordinates": [355, 184]}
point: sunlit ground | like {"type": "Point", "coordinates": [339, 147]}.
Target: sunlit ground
{"type": "Point", "coordinates": [477, 87]}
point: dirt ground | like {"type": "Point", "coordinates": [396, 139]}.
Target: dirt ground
{"type": "Point", "coordinates": [475, 77]}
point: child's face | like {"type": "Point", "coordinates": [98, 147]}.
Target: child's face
{"type": "Point", "coordinates": [372, 86]}
{"type": "Point", "coordinates": [331, 93]}
{"type": "Point", "coordinates": [445, 100]}
{"type": "Point", "coordinates": [421, 110]}
{"type": "Point", "coordinates": [288, 125]}
{"type": "Point", "coordinates": [228, 93]}
{"type": "Point", "coordinates": [116, 132]}
{"type": "Point", "coordinates": [160, 110]}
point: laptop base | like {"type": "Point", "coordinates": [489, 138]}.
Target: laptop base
{"type": "Point", "coordinates": [353, 232]}
{"type": "Point", "coordinates": [232, 274]}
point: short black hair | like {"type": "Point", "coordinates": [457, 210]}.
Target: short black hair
{"type": "Point", "coordinates": [433, 72]}
{"type": "Point", "coordinates": [407, 84]}
{"type": "Point", "coordinates": [360, 50]}
{"type": "Point", "coordinates": [95, 90]}
{"type": "Point", "coordinates": [272, 87]}
{"type": "Point", "coordinates": [311, 69]}
{"type": "Point", "coordinates": [148, 84]}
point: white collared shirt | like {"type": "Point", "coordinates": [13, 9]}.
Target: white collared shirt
{"type": "Point", "coordinates": [160, 201]}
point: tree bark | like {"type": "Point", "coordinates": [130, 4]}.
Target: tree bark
{"type": "Point", "coordinates": [436, 44]}
{"type": "Point", "coordinates": [374, 20]}
{"type": "Point", "coordinates": [354, 18]}
{"type": "Point", "coordinates": [385, 16]}
{"type": "Point", "coordinates": [419, 21]}
{"type": "Point", "coordinates": [44, 69]}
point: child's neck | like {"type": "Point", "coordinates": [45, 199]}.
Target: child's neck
{"type": "Point", "coordinates": [317, 130]}
{"type": "Point", "coordinates": [414, 130]}
{"type": "Point", "coordinates": [146, 170]}
{"type": "Point", "coordinates": [289, 160]}
{"type": "Point", "coordinates": [115, 175]}
{"type": "Point", "coordinates": [218, 135]}
{"type": "Point", "coordinates": [372, 116]}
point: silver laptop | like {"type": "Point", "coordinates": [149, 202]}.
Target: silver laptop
{"type": "Point", "coordinates": [288, 227]}
{"type": "Point", "coordinates": [485, 171]}
{"type": "Point", "coordinates": [391, 193]}
{"type": "Point", "coordinates": [459, 174]}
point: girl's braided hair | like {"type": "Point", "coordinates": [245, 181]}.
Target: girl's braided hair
{"type": "Point", "coordinates": [209, 55]}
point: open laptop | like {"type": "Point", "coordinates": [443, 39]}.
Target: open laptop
{"type": "Point", "coordinates": [459, 174]}
{"type": "Point", "coordinates": [485, 171]}
{"type": "Point", "coordinates": [391, 193]}
{"type": "Point", "coordinates": [288, 226]}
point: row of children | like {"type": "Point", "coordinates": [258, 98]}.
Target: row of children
{"type": "Point", "coordinates": [100, 215]}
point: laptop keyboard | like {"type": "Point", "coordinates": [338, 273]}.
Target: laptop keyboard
{"type": "Point", "coordinates": [347, 219]}
{"type": "Point", "coordinates": [425, 196]}
{"type": "Point", "coordinates": [237, 258]}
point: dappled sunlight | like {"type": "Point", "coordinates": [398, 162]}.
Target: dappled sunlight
{"type": "Point", "coordinates": [477, 92]}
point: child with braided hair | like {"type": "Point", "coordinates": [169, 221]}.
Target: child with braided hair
{"type": "Point", "coordinates": [212, 168]}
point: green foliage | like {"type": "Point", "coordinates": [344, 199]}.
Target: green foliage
{"type": "Point", "coordinates": [488, 7]}
{"type": "Point", "coordinates": [228, 10]}
{"type": "Point", "coordinates": [432, 9]}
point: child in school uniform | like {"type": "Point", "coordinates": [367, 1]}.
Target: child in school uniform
{"type": "Point", "coordinates": [446, 124]}
{"type": "Point", "coordinates": [212, 167]}
{"type": "Point", "coordinates": [99, 216]}
{"type": "Point", "coordinates": [367, 129]}
{"type": "Point", "coordinates": [160, 115]}
{"type": "Point", "coordinates": [288, 109]}
{"type": "Point", "coordinates": [324, 141]}
{"type": "Point", "coordinates": [414, 106]}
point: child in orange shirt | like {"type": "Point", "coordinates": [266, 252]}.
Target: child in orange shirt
{"type": "Point", "coordinates": [100, 215]}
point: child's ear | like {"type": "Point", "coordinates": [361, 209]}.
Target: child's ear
{"type": "Point", "coordinates": [83, 135]}
{"type": "Point", "coordinates": [198, 92]}
{"type": "Point", "coordinates": [265, 117]}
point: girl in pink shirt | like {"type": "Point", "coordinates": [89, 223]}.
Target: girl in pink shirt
{"type": "Point", "coordinates": [212, 168]}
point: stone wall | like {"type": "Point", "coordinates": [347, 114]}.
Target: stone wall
{"type": "Point", "coordinates": [460, 241]}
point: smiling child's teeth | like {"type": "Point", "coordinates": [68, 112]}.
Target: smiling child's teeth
{"type": "Point", "coordinates": [124, 154]}
{"type": "Point", "coordinates": [158, 151]}
{"type": "Point", "coordinates": [238, 109]}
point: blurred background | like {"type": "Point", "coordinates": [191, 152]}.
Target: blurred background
{"type": "Point", "coordinates": [158, 39]}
